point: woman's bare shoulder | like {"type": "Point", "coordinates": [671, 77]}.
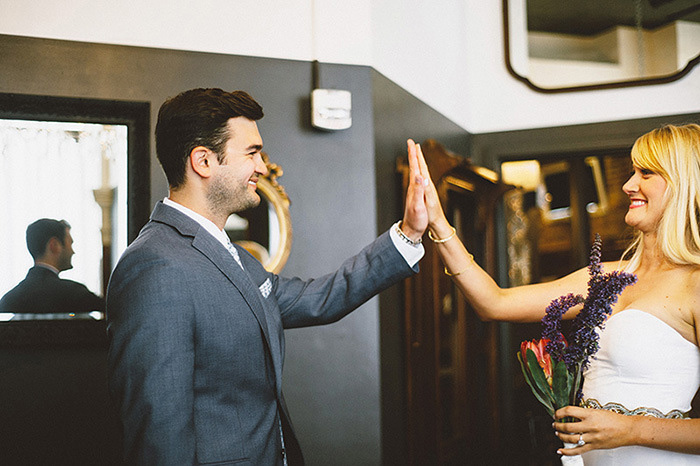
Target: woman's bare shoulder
{"type": "Point", "coordinates": [613, 266]}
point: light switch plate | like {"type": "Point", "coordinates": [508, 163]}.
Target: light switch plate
{"type": "Point", "coordinates": [331, 109]}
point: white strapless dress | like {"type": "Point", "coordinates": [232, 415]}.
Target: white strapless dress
{"type": "Point", "coordinates": [643, 367]}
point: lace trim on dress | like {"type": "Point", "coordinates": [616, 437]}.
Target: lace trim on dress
{"type": "Point", "coordinates": [642, 411]}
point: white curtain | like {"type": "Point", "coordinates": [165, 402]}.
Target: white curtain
{"type": "Point", "coordinates": [49, 170]}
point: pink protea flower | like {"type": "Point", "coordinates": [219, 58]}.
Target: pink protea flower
{"type": "Point", "coordinates": [539, 347]}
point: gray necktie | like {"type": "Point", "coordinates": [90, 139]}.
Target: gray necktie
{"type": "Point", "coordinates": [233, 252]}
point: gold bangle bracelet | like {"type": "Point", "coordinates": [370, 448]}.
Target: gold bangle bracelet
{"type": "Point", "coordinates": [471, 260]}
{"type": "Point", "coordinates": [442, 240]}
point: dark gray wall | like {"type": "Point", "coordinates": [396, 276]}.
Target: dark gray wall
{"type": "Point", "coordinates": [55, 408]}
{"type": "Point", "coordinates": [490, 149]}
{"type": "Point", "coordinates": [332, 372]}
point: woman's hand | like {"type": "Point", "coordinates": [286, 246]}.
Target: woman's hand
{"type": "Point", "coordinates": [415, 216]}
{"type": "Point", "coordinates": [436, 217]}
{"type": "Point", "coordinates": [596, 429]}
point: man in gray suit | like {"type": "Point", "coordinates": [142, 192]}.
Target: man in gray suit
{"type": "Point", "coordinates": [196, 324]}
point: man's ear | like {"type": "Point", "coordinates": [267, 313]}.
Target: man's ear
{"type": "Point", "coordinates": [54, 246]}
{"type": "Point", "coordinates": [201, 160]}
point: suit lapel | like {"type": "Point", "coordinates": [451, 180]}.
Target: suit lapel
{"type": "Point", "coordinates": [222, 259]}
{"type": "Point", "coordinates": [242, 280]}
{"type": "Point", "coordinates": [276, 331]}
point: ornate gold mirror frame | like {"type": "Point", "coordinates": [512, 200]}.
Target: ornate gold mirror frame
{"type": "Point", "coordinates": [281, 237]}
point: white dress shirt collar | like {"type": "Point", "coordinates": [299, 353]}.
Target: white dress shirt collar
{"type": "Point", "coordinates": [47, 266]}
{"type": "Point", "coordinates": [207, 224]}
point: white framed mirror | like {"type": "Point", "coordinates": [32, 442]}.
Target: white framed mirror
{"type": "Point", "coordinates": [558, 46]}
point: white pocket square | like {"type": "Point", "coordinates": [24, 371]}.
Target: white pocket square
{"type": "Point", "coordinates": [265, 288]}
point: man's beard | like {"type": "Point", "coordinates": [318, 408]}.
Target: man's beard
{"type": "Point", "coordinates": [226, 199]}
{"type": "Point", "coordinates": [65, 264]}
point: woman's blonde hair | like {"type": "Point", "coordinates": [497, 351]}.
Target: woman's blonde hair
{"type": "Point", "coordinates": [674, 153]}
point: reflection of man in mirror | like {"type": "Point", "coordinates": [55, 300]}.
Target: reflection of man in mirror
{"type": "Point", "coordinates": [196, 323]}
{"type": "Point", "coordinates": [43, 291]}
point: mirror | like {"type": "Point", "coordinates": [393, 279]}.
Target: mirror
{"type": "Point", "coordinates": [97, 151]}
{"type": "Point", "coordinates": [555, 46]}
{"type": "Point", "coordinates": [266, 230]}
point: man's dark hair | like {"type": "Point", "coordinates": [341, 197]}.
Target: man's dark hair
{"type": "Point", "coordinates": [198, 117]}
{"type": "Point", "coordinates": [40, 233]}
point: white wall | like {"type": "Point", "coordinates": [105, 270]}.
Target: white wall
{"type": "Point", "coordinates": [265, 28]}
{"type": "Point", "coordinates": [496, 101]}
{"type": "Point", "coordinates": [448, 53]}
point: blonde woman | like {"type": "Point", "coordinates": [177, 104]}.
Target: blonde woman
{"type": "Point", "coordinates": [648, 367]}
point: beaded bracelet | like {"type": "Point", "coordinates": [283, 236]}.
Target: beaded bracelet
{"type": "Point", "coordinates": [403, 236]}
{"type": "Point", "coordinates": [443, 240]}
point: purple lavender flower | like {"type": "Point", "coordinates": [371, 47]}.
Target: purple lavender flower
{"type": "Point", "coordinates": [595, 268]}
{"type": "Point", "coordinates": [551, 324]}
{"type": "Point", "coordinates": [603, 291]}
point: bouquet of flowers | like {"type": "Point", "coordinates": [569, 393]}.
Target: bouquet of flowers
{"type": "Point", "coordinates": [553, 366]}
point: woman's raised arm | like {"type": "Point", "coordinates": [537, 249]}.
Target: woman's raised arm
{"type": "Point", "coordinates": [491, 302]}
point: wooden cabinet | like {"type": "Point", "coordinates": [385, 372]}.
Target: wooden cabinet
{"type": "Point", "coordinates": [452, 379]}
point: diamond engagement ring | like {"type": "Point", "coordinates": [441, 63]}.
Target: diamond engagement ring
{"type": "Point", "coordinates": [580, 442]}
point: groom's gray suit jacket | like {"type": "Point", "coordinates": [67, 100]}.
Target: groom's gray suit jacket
{"type": "Point", "coordinates": [197, 343]}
